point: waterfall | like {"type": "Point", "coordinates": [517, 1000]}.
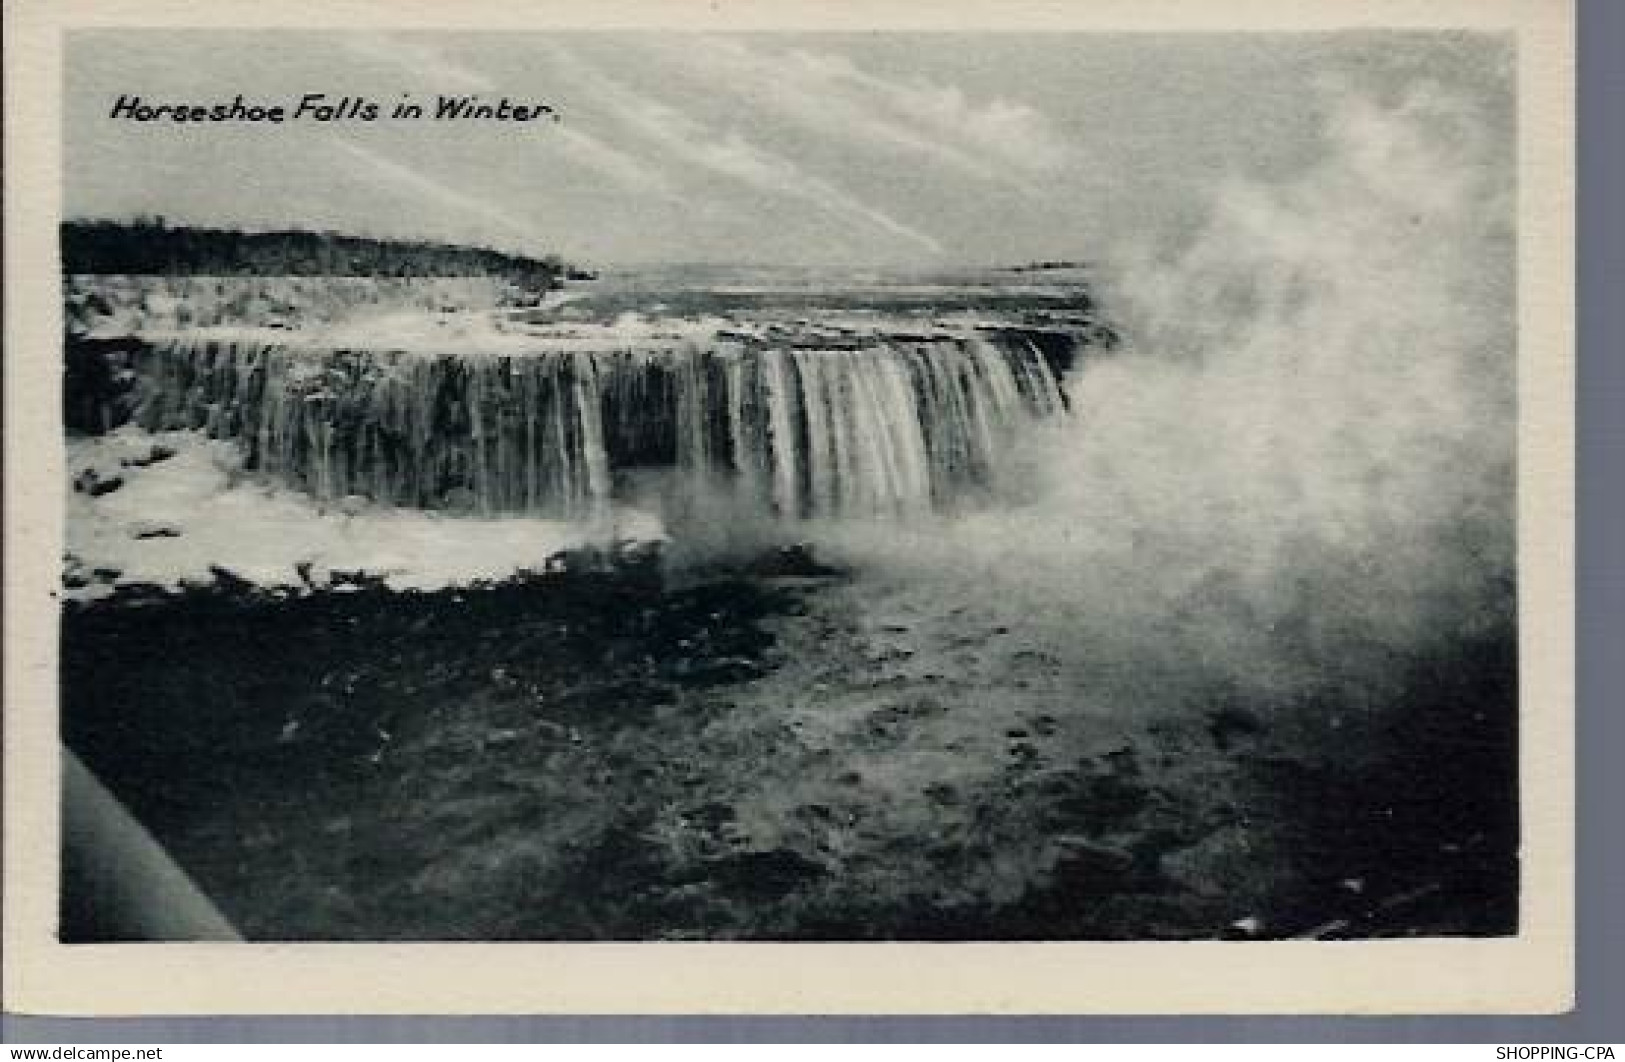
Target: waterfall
{"type": "Point", "coordinates": [881, 426]}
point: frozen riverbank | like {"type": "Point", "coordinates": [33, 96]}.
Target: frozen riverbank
{"type": "Point", "coordinates": [787, 753]}
{"type": "Point", "coordinates": [173, 509]}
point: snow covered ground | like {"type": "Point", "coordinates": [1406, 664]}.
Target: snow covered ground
{"type": "Point", "coordinates": [167, 509]}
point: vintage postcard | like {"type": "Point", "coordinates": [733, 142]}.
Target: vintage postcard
{"type": "Point", "coordinates": [789, 507]}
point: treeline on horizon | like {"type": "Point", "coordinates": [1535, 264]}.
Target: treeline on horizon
{"type": "Point", "coordinates": [151, 247]}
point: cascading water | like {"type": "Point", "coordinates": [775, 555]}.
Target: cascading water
{"type": "Point", "coordinates": [877, 426]}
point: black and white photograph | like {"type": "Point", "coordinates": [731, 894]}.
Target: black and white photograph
{"type": "Point", "coordinates": [800, 486]}
{"type": "Point", "coordinates": [789, 487]}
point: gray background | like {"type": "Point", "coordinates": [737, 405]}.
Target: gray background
{"type": "Point", "coordinates": [1601, 738]}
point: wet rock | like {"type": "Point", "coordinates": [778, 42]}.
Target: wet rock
{"type": "Point", "coordinates": [1023, 753]}
{"type": "Point", "coordinates": [888, 717]}
{"type": "Point", "coordinates": [1228, 723]}
{"type": "Point", "coordinates": [1085, 869]}
{"type": "Point", "coordinates": [230, 581]}
{"type": "Point", "coordinates": [816, 812]}
{"type": "Point", "coordinates": [765, 875]}
{"type": "Point", "coordinates": [75, 573]}
{"type": "Point", "coordinates": [1095, 801]}
{"type": "Point", "coordinates": [154, 454]}
{"type": "Point", "coordinates": [638, 555]}
{"type": "Point", "coordinates": [1123, 761]}
{"type": "Point", "coordinates": [94, 484]}
{"type": "Point", "coordinates": [795, 560]}
{"type": "Point", "coordinates": [143, 529]}
{"type": "Point", "coordinates": [349, 581]}
{"type": "Point", "coordinates": [711, 816]}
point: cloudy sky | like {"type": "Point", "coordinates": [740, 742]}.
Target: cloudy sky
{"type": "Point", "coordinates": [884, 149]}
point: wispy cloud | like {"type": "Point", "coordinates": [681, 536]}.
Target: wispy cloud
{"type": "Point", "coordinates": [631, 173]}
{"type": "Point", "coordinates": [686, 140]}
{"type": "Point", "coordinates": [414, 183]}
{"type": "Point", "coordinates": [997, 140]}
{"type": "Point", "coordinates": [1013, 133]}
